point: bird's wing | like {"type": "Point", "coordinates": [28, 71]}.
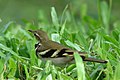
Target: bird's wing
{"type": "Point", "coordinates": [58, 50]}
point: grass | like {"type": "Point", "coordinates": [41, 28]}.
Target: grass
{"type": "Point", "coordinates": [17, 55]}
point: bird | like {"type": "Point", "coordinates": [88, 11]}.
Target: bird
{"type": "Point", "coordinates": [59, 54]}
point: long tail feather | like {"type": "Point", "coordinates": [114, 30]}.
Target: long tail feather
{"type": "Point", "coordinates": [95, 60]}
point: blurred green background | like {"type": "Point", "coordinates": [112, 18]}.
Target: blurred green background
{"type": "Point", "coordinates": [18, 10]}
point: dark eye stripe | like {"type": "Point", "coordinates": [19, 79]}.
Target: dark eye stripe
{"type": "Point", "coordinates": [49, 53]}
{"type": "Point", "coordinates": [37, 35]}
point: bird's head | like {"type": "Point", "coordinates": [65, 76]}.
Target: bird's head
{"type": "Point", "coordinates": [40, 35]}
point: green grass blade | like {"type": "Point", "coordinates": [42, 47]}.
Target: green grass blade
{"type": "Point", "coordinates": [1, 65]}
{"type": "Point", "coordinates": [80, 67]}
{"type": "Point", "coordinates": [12, 66]}
{"type": "Point", "coordinates": [54, 18]}
{"type": "Point", "coordinates": [117, 72]}
{"type": "Point", "coordinates": [9, 50]}
{"type": "Point", "coordinates": [26, 72]}
{"type": "Point", "coordinates": [6, 26]}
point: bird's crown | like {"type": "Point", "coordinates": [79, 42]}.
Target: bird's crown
{"type": "Point", "coordinates": [40, 35]}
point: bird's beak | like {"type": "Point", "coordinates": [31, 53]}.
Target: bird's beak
{"type": "Point", "coordinates": [31, 31]}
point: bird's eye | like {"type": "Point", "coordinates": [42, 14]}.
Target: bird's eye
{"type": "Point", "coordinates": [35, 34]}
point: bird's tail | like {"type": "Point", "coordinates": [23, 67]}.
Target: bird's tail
{"type": "Point", "coordinates": [95, 60]}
